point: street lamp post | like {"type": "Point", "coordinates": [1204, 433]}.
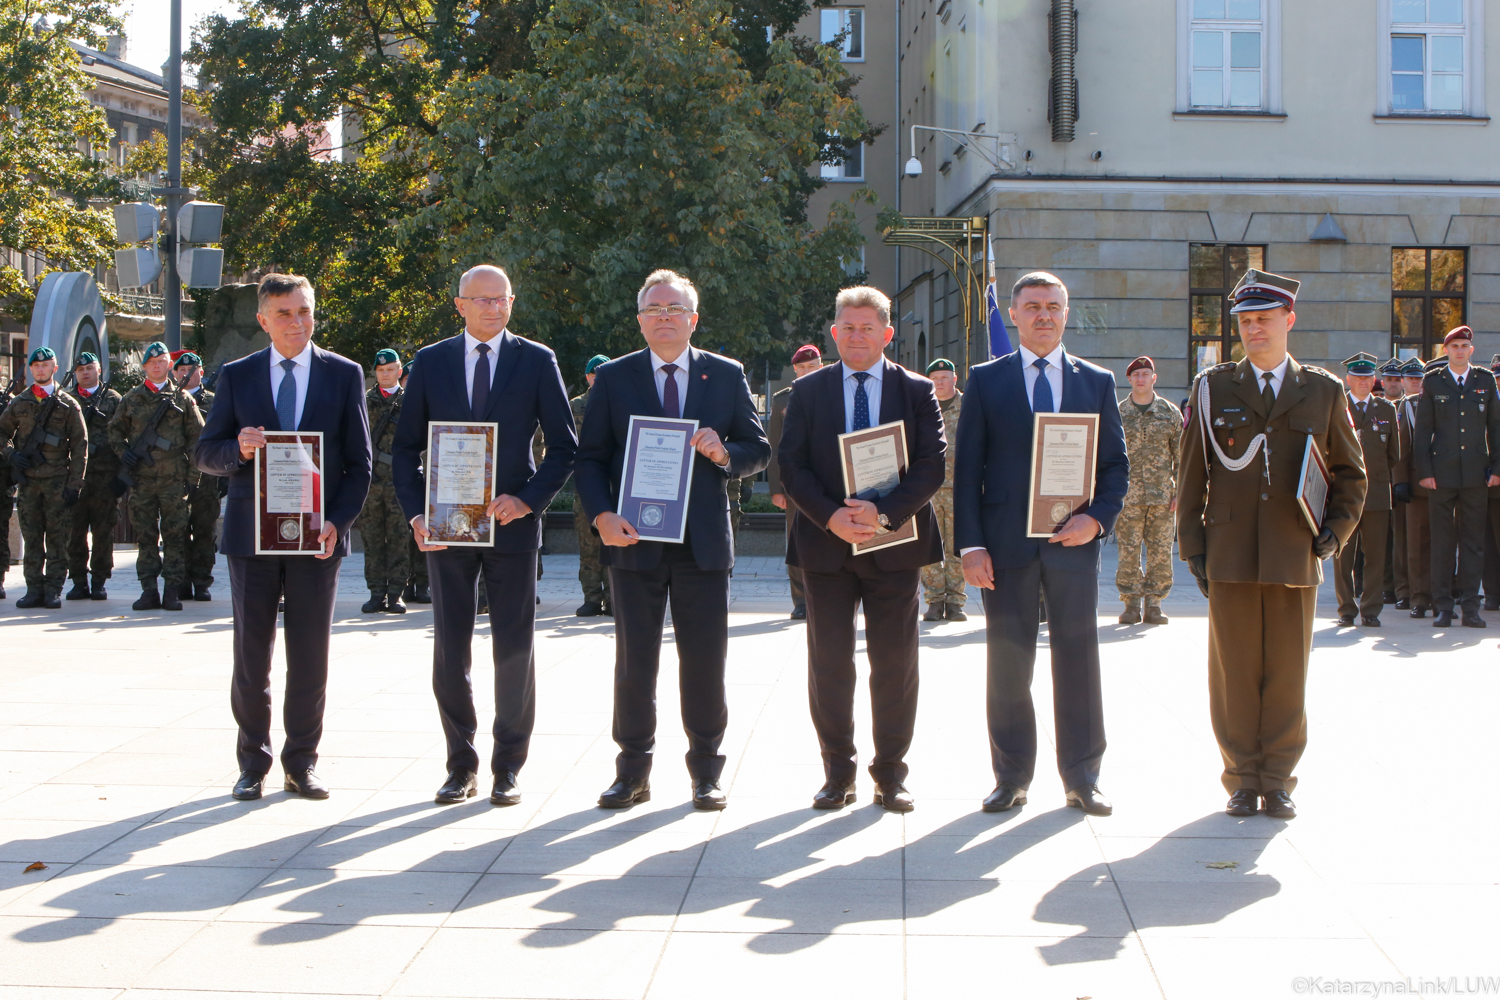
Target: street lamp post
{"type": "Point", "coordinates": [172, 307]}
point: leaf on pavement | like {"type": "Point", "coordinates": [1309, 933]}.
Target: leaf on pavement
{"type": "Point", "coordinates": [1223, 864]}
{"type": "Point", "coordinates": [35, 866]}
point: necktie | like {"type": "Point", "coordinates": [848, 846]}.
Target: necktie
{"type": "Point", "coordinates": [670, 406]}
{"type": "Point", "coordinates": [479, 395]}
{"type": "Point", "coordinates": [286, 397]}
{"type": "Point", "coordinates": [861, 402]}
{"type": "Point", "coordinates": [1266, 395]}
{"type": "Point", "coordinates": [1041, 393]}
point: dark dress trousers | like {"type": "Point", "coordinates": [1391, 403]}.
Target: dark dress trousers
{"type": "Point", "coordinates": [693, 576]}
{"type": "Point", "coordinates": [526, 391]}
{"type": "Point", "coordinates": [335, 405]}
{"type": "Point", "coordinates": [1380, 443]}
{"type": "Point", "coordinates": [837, 582]}
{"type": "Point", "coordinates": [1457, 443]}
{"type": "Point", "coordinates": [1418, 533]}
{"type": "Point", "coordinates": [991, 483]}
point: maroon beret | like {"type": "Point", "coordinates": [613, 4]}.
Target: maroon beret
{"type": "Point", "coordinates": [1140, 362]}
{"type": "Point", "coordinates": [1458, 333]}
{"type": "Point", "coordinates": [806, 353]}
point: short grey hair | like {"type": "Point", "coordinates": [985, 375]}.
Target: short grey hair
{"type": "Point", "coordinates": [863, 297]}
{"type": "Point", "coordinates": [1038, 279]}
{"type": "Point", "coordinates": [662, 276]}
{"type": "Point", "coordinates": [479, 269]}
{"type": "Point", "coordinates": [273, 285]}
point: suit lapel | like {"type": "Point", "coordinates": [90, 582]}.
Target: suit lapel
{"type": "Point", "coordinates": [507, 353]}
{"type": "Point", "coordinates": [1013, 380]}
{"type": "Point", "coordinates": [645, 383]}
{"type": "Point", "coordinates": [833, 398]}
{"type": "Point", "coordinates": [260, 368]}
{"type": "Point", "coordinates": [892, 393]}
{"type": "Point", "coordinates": [1293, 388]}
{"type": "Point", "coordinates": [315, 379]}
{"type": "Point", "coordinates": [1072, 386]}
{"type": "Point", "coordinates": [697, 383]}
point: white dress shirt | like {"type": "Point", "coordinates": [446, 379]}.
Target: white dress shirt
{"type": "Point", "coordinates": [1278, 375]}
{"type": "Point", "coordinates": [299, 376]}
{"type": "Point", "coordinates": [471, 358]}
{"type": "Point", "coordinates": [1054, 375]}
{"type": "Point", "coordinates": [872, 392]}
{"type": "Point", "coordinates": [680, 376]}
{"type": "Point", "coordinates": [1457, 377]}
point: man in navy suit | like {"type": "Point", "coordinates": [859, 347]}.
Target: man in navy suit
{"type": "Point", "coordinates": [991, 486]}
{"type": "Point", "coordinates": [486, 374]}
{"type": "Point", "coordinates": [669, 378]}
{"type": "Point", "coordinates": [291, 385]}
{"type": "Point", "coordinates": [862, 390]}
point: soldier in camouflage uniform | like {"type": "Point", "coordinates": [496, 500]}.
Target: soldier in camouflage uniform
{"type": "Point", "coordinates": [203, 499]}
{"type": "Point", "coordinates": [7, 496]}
{"type": "Point", "coordinates": [1153, 431]}
{"type": "Point", "coordinates": [805, 360]}
{"type": "Point", "coordinates": [382, 526]}
{"type": "Point", "coordinates": [163, 474]}
{"type": "Point", "coordinates": [943, 583]}
{"type": "Point", "coordinates": [51, 476]}
{"type": "Point", "coordinates": [416, 591]}
{"type": "Point", "coordinates": [98, 509]}
{"type": "Point", "coordinates": [591, 575]}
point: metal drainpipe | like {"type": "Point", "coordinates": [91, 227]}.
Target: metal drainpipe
{"type": "Point", "coordinates": [1063, 42]}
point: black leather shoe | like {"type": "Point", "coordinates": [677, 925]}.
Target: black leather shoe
{"type": "Point", "coordinates": [394, 606]}
{"type": "Point", "coordinates": [248, 788]}
{"type": "Point", "coordinates": [1090, 800]}
{"type": "Point", "coordinates": [1345, 621]}
{"type": "Point", "coordinates": [1244, 802]}
{"type": "Point", "coordinates": [31, 599]}
{"type": "Point", "coordinates": [1471, 619]}
{"type": "Point", "coordinates": [1279, 805]}
{"type": "Point", "coordinates": [409, 593]}
{"type": "Point", "coordinates": [374, 605]}
{"type": "Point", "coordinates": [52, 598]}
{"type": "Point", "coordinates": [80, 591]}
{"type": "Point", "coordinates": [169, 598]}
{"type": "Point", "coordinates": [149, 600]}
{"type": "Point", "coordinates": [1369, 621]}
{"type": "Point", "coordinates": [799, 613]}
{"type": "Point", "coordinates": [1389, 597]}
{"type": "Point", "coordinates": [589, 609]}
{"type": "Point", "coordinates": [1490, 605]}
{"type": "Point", "coordinates": [2, 589]}
{"type": "Point", "coordinates": [1419, 612]}
{"type": "Point", "coordinates": [1130, 616]}
{"type": "Point", "coordinates": [97, 592]}
{"type": "Point", "coordinates": [459, 786]}
{"type": "Point", "coordinates": [625, 792]}
{"type": "Point", "coordinates": [1154, 616]}
{"type": "Point", "coordinates": [1005, 796]}
{"type": "Point", "coordinates": [834, 796]}
{"type": "Point", "coordinates": [1404, 604]}
{"type": "Point", "coordinates": [201, 592]}
{"type": "Point", "coordinates": [893, 796]}
{"type": "Point", "coordinates": [606, 610]}
{"type": "Point", "coordinates": [422, 594]}
{"type": "Point", "coordinates": [306, 784]}
{"type": "Point", "coordinates": [505, 792]}
{"type": "Point", "coordinates": [955, 613]}
{"type": "Point", "coordinates": [1443, 619]}
{"type": "Point", "coordinates": [708, 796]}
{"type": "Point", "coordinates": [934, 613]}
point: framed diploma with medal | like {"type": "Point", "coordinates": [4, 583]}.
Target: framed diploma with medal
{"type": "Point", "coordinates": [1312, 486]}
{"type": "Point", "coordinates": [874, 462]}
{"type": "Point", "coordinates": [289, 494]}
{"type": "Point", "coordinates": [658, 476]}
{"type": "Point", "coordinates": [460, 483]}
{"type": "Point", "coordinates": [1064, 451]}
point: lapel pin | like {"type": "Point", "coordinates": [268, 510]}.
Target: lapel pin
{"type": "Point", "coordinates": [704, 376]}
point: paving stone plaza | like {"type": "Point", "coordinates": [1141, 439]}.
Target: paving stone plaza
{"type": "Point", "coordinates": [116, 760]}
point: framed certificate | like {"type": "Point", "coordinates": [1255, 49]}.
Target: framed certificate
{"type": "Point", "coordinates": [1312, 487]}
{"type": "Point", "coordinates": [874, 462]}
{"type": "Point", "coordinates": [460, 483]}
{"type": "Point", "coordinates": [658, 477]}
{"type": "Point", "coordinates": [1064, 451]}
{"type": "Point", "coordinates": [289, 494]}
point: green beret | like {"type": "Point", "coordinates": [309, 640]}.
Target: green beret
{"type": "Point", "coordinates": [386, 356]}
{"type": "Point", "coordinates": [86, 358]}
{"type": "Point", "coordinates": [406, 368]}
{"type": "Point", "coordinates": [941, 365]}
{"type": "Point", "coordinates": [594, 362]}
{"type": "Point", "coordinates": [189, 359]}
{"type": "Point", "coordinates": [41, 354]}
{"type": "Point", "coordinates": [155, 349]}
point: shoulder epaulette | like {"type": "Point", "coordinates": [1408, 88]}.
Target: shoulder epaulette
{"type": "Point", "coordinates": [1323, 372]}
{"type": "Point", "coordinates": [1225, 367]}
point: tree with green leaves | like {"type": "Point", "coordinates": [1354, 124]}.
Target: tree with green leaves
{"type": "Point", "coordinates": [47, 127]}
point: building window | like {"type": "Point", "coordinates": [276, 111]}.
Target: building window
{"type": "Point", "coordinates": [1427, 298]}
{"type": "Point", "coordinates": [849, 167]}
{"type": "Point", "coordinates": [844, 27]}
{"type": "Point", "coordinates": [1213, 271]}
{"type": "Point", "coordinates": [1228, 55]}
{"type": "Point", "coordinates": [1431, 58]}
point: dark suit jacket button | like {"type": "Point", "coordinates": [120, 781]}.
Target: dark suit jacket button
{"type": "Point", "coordinates": [1265, 496]}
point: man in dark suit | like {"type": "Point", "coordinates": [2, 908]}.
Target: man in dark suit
{"type": "Point", "coordinates": [862, 390]}
{"type": "Point", "coordinates": [669, 378]}
{"type": "Point", "coordinates": [291, 385]}
{"type": "Point", "coordinates": [486, 374]}
{"type": "Point", "coordinates": [991, 486]}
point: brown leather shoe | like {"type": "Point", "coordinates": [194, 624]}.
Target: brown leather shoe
{"type": "Point", "coordinates": [955, 612]}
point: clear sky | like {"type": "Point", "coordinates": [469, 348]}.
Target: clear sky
{"type": "Point", "coordinates": [147, 23]}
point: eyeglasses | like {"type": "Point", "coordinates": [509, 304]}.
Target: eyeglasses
{"type": "Point", "coordinates": [488, 301]}
{"type": "Point", "coordinates": [673, 311]}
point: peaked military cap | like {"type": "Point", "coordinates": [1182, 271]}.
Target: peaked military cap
{"type": "Point", "coordinates": [1259, 290]}
{"type": "Point", "coordinates": [1435, 365]}
{"type": "Point", "coordinates": [941, 365]}
{"type": "Point", "coordinates": [386, 356]}
{"type": "Point", "coordinates": [41, 354]}
{"type": "Point", "coordinates": [1495, 363]}
{"type": "Point", "coordinates": [594, 362]}
{"type": "Point", "coordinates": [1413, 368]}
{"type": "Point", "coordinates": [86, 358]}
{"type": "Point", "coordinates": [1391, 367]}
{"type": "Point", "coordinates": [155, 349]}
{"type": "Point", "coordinates": [1361, 364]}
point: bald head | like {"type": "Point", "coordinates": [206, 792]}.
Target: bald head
{"type": "Point", "coordinates": [486, 270]}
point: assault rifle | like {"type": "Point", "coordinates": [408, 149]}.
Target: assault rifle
{"type": "Point", "coordinates": [385, 420]}
{"type": "Point", "coordinates": [90, 411]}
{"type": "Point", "coordinates": [213, 379]}
{"type": "Point", "coordinates": [10, 391]}
{"type": "Point", "coordinates": [140, 449]}
{"type": "Point", "coordinates": [29, 454]}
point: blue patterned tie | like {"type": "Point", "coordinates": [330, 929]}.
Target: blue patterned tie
{"type": "Point", "coordinates": [286, 397]}
{"type": "Point", "coordinates": [861, 403]}
{"type": "Point", "coordinates": [1041, 393]}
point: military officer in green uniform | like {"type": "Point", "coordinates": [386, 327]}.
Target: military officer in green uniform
{"type": "Point", "coordinates": [1144, 530]}
{"type": "Point", "coordinates": [159, 459]}
{"type": "Point", "coordinates": [1397, 580]}
{"type": "Point", "coordinates": [416, 591]}
{"type": "Point", "coordinates": [805, 360]}
{"type": "Point", "coordinates": [203, 497]}
{"type": "Point", "coordinates": [591, 575]}
{"type": "Point", "coordinates": [1455, 456]}
{"type": "Point", "coordinates": [382, 527]}
{"type": "Point", "coordinates": [943, 583]}
{"type": "Point", "coordinates": [1380, 444]}
{"type": "Point", "coordinates": [1410, 500]}
{"type": "Point", "coordinates": [1242, 532]}
{"type": "Point", "coordinates": [98, 508]}
{"type": "Point", "coordinates": [49, 465]}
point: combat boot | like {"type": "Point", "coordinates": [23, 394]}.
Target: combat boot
{"type": "Point", "coordinates": [169, 599]}
{"type": "Point", "coordinates": [201, 592]}
{"type": "Point", "coordinates": [409, 594]}
{"type": "Point", "coordinates": [52, 598]}
{"type": "Point", "coordinates": [394, 605]}
{"type": "Point", "coordinates": [1154, 615]}
{"type": "Point", "coordinates": [1131, 615]}
{"type": "Point", "coordinates": [955, 613]}
{"type": "Point", "coordinates": [149, 600]}
{"type": "Point", "coordinates": [2, 589]}
{"type": "Point", "coordinates": [80, 591]}
{"type": "Point", "coordinates": [422, 594]}
{"type": "Point", "coordinates": [31, 599]}
{"type": "Point", "coordinates": [98, 593]}
{"type": "Point", "coordinates": [375, 604]}
{"type": "Point", "coordinates": [934, 612]}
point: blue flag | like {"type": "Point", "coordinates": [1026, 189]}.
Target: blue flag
{"type": "Point", "coordinates": [999, 336]}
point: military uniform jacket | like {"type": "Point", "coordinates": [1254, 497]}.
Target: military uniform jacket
{"type": "Point", "coordinates": [951, 409]}
{"type": "Point", "coordinates": [1380, 441]}
{"type": "Point", "coordinates": [1456, 439]}
{"type": "Point", "coordinates": [1251, 530]}
{"type": "Point", "coordinates": [64, 448]}
{"type": "Point", "coordinates": [1406, 418]}
{"type": "Point", "coordinates": [1152, 440]}
{"type": "Point", "coordinates": [377, 404]}
{"type": "Point", "coordinates": [778, 414]}
{"type": "Point", "coordinates": [176, 435]}
{"type": "Point", "coordinates": [98, 410]}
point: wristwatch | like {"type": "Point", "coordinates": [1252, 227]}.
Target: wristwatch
{"type": "Point", "coordinates": [884, 521]}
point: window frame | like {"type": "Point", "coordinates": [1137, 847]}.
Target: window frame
{"type": "Point", "coordinates": [1228, 338]}
{"type": "Point", "coordinates": [1472, 31]}
{"type": "Point", "coordinates": [1431, 341]}
{"type": "Point", "coordinates": [842, 13]}
{"type": "Point", "coordinates": [836, 173]}
{"type": "Point", "coordinates": [1270, 61]}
